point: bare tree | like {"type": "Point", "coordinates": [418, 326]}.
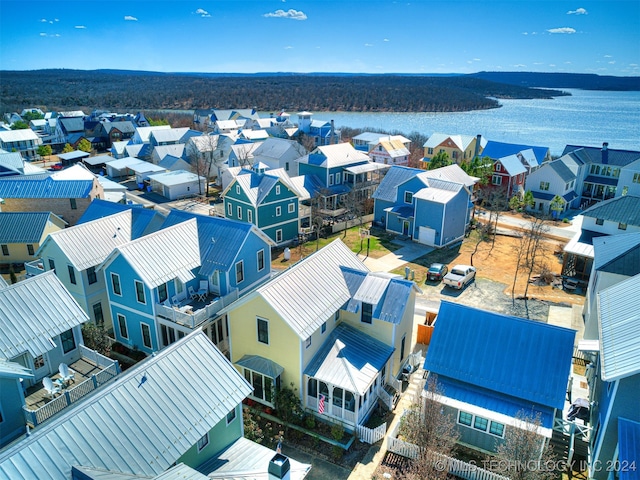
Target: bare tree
{"type": "Point", "coordinates": [524, 454]}
{"type": "Point", "coordinates": [433, 431]}
{"type": "Point", "coordinates": [530, 252]}
{"type": "Point", "coordinates": [206, 156]}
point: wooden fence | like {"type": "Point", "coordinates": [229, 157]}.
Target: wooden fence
{"type": "Point", "coordinates": [371, 435]}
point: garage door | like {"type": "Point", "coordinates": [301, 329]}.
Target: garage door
{"type": "Point", "coordinates": [427, 236]}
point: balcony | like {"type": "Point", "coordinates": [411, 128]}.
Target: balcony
{"type": "Point", "coordinates": [33, 268]}
{"type": "Point", "coordinates": [192, 313]}
{"type": "Point", "coordinates": [92, 370]}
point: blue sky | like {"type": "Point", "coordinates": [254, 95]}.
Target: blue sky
{"type": "Point", "coordinates": [369, 36]}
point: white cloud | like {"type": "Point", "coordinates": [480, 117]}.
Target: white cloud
{"type": "Point", "coordinates": [129, 18]}
{"type": "Point", "coordinates": [56, 20]}
{"type": "Point", "coordinates": [368, 44]}
{"type": "Point", "coordinates": [612, 62]}
{"type": "Point", "coordinates": [385, 40]}
{"type": "Point", "coordinates": [202, 12]}
{"type": "Point", "coordinates": [608, 56]}
{"type": "Point", "coordinates": [577, 11]}
{"type": "Point", "coordinates": [552, 64]}
{"type": "Point", "coordinates": [477, 60]}
{"type": "Point", "coordinates": [80, 27]}
{"type": "Point", "coordinates": [567, 30]}
{"type": "Point", "coordinates": [525, 33]}
{"type": "Point", "coordinates": [51, 22]}
{"type": "Point", "coordinates": [291, 13]}
{"type": "Point", "coordinates": [288, 47]}
{"type": "Point", "coordinates": [43, 34]}
{"type": "Point", "coordinates": [633, 64]}
{"type": "Point", "coordinates": [520, 65]}
{"type": "Point", "coordinates": [56, 35]}
{"type": "Point", "coordinates": [567, 63]}
{"type": "Point", "coordinates": [44, 20]}
{"type": "Point", "coordinates": [538, 63]}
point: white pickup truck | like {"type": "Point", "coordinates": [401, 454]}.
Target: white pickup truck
{"type": "Point", "coordinates": [459, 276]}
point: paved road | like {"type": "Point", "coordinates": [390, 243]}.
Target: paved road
{"type": "Point", "coordinates": [565, 232]}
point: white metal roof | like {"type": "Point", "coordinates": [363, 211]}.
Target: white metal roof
{"type": "Point", "coordinates": [20, 135]}
{"type": "Point", "coordinates": [164, 255]}
{"type": "Point", "coordinates": [33, 312]}
{"type": "Point", "coordinates": [88, 244]}
{"type": "Point", "coordinates": [338, 155]}
{"type": "Point", "coordinates": [177, 177]}
{"type": "Point", "coordinates": [141, 422]}
{"type": "Point", "coordinates": [126, 162]}
{"type": "Point", "coordinates": [75, 172]}
{"type": "Point", "coordinates": [144, 132]}
{"type": "Point", "coordinates": [619, 328]}
{"type": "Point", "coordinates": [14, 370]}
{"type": "Point", "coordinates": [451, 173]}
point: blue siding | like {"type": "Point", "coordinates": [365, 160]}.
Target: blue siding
{"type": "Point", "coordinates": [379, 206]}
{"type": "Point", "coordinates": [430, 214]}
{"type": "Point", "coordinates": [249, 255]}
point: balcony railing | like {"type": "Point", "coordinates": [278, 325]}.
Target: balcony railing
{"type": "Point", "coordinates": [107, 369]}
{"type": "Point", "coordinates": [189, 315]}
{"type": "Point", "coordinates": [34, 267]}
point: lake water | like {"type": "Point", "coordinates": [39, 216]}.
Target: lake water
{"type": "Point", "coordinates": [584, 118]}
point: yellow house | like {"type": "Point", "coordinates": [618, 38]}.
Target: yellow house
{"type": "Point", "coordinates": [328, 327]}
{"type": "Point", "coordinates": [459, 148]}
{"type": "Point", "coordinates": [21, 234]}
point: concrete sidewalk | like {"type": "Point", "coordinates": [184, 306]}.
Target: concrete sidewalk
{"type": "Point", "coordinates": [408, 251]}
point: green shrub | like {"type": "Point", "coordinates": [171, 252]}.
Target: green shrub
{"type": "Point", "coordinates": [252, 430]}
{"type": "Point", "coordinates": [565, 220]}
{"type": "Point", "coordinates": [310, 422]}
{"type": "Point", "coordinates": [337, 452]}
{"type": "Point", "coordinates": [337, 432]}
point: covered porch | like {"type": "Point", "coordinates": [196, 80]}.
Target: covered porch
{"type": "Point", "coordinates": [263, 375]}
{"type": "Point", "coordinates": [346, 377]}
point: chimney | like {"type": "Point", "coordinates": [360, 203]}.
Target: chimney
{"type": "Point", "coordinates": [333, 133]}
{"type": "Point", "coordinates": [279, 467]}
{"type": "Point", "coordinates": [605, 153]}
{"type": "Point", "coordinates": [477, 151]}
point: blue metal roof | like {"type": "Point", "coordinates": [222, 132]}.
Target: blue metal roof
{"type": "Point", "coordinates": [22, 227]}
{"type": "Point", "coordinates": [629, 449]}
{"type": "Point", "coordinates": [219, 239]}
{"type": "Point", "coordinates": [508, 355]}
{"type": "Point", "coordinates": [543, 195]}
{"type": "Point", "coordinates": [396, 175]}
{"type": "Point", "coordinates": [496, 150]}
{"type": "Point", "coordinates": [403, 211]}
{"type": "Point", "coordinates": [614, 156]}
{"type": "Point", "coordinates": [143, 220]}
{"type": "Point", "coordinates": [490, 400]}
{"type": "Point", "coordinates": [625, 209]}
{"type": "Point", "coordinates": [601, 180]}
{"type": "Point", "coordinates": [46, 187]}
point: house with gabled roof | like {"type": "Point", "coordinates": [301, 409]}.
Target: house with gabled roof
{"type": "Point", "coordinates": [530, 156]}
{"type": "Point", "coordinates": [171, 136]}
{"type": "Point", "coordinates": [486, 388]}
{"type": "Point", "coordinates": [366, 141]}
{"type": "Point", "coordinates": [508, 176]}
{"type": "Point", "coordinates": [143, 220]}
{"type": "Point", "coordinates": [431, 207]}
{"type": "Point", "coordinates": [279, 153]}
{"type": "Point", "coordinates": [615, 216]}
{"type": "Point", "coordinates": [267, 199]}
{"type": "Point", "coordinates": [22, 233]}
{"type": "Point", "coordinates": [629, 181]}
{"type": "Point", "coordinates": [322, 132]}
{"type": "Point", "coordinates": [143, 134]}
{"type": "Point", "coordinates": [390, 152]}
{"type": "Point", "coordinates": [178, 413]}
{"type": "Point", "coordinates": [162, 151]}
{"type": "Point", "coordinates": [118, 131]}
{"type": "Point", "coordinates": [610, 344]}
{"type": "Point", "coordinates": [329, 327]}
{"type": "Point", "coordinates": [459, 148]}
{"type": "Point", "coordinates": [25, 141]}
{"type": "Point", "coordinates": [556, 178]}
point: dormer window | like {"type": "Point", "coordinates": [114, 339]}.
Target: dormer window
{"type": "Point", "coordinates": [367, 313]}
{"type": "Point", "coordinates": [408, 197]}
{"type": "Point", "coordinates": [277, 189]}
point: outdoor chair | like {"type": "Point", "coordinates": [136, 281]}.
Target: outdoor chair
{"type": "Point", "coordinates": [192, 293]}
{"type": "Point", "coordinates": [51, 389]}
{"type": "Point", "coordinates": [203, 291]}
{"type": "Point", "coordinates": [66, 373]}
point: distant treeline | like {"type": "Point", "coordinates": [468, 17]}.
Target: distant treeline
{"type": "Point", "coordinates": [583, 81]}
{"type": "Point", "coordinates": [122, 90]}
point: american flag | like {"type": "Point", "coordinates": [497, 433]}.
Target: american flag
{"type": "Point", "coordinates": [321, 404]}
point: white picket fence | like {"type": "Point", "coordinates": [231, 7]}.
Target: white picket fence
{"type": "Point", "coordinates": [371, 435]}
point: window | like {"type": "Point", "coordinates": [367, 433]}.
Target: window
{"type": "Point", "coordinates": [74, 205]}
{"type": "Point", "coordinates": [480, 424]}
{"type": "Point", "coordinates": [330, 179]}
{"type": "Point", "coordinates": [91, 275]}
{"type": "Point", "coordinates": [162, 293]}
{"type": "Point", "coordinates": [599, 221]}
{"type": "Point", "coordinates": [52, 264]}
{"type": "Point", "coordinates": [146, 335]}
{"type": "Point", "coordinates": [465, 418]}
{"type": "Point", "coordinates": [72, 274]}
{"type": "Point", "coordinates": [324, 327]}
{"type": "Point", "coordinates": [636, 178]}
{"type": "Point", "coordinates": [98, 316]}
{"type": "Point", "coordinates": [263, 386]}
{"type": "Point", "coordinates": [277, 189]}
{"type": "Point", "coordinates": [307, 342]}
{"type": "Point", "coordinates": [122, 325]}
{"type": "Point", "coordinates": [263, 331]}
{"type": "Point", "coordinates": [203, 442]}
{"type": "Point", "coordinates": [229, 210]}
{"type": "Point", "coordinates": [622, 226]}
{"type": "Point", "coordinates": [498, 167]}
{"type": "Point", "coordinates": [367, 313]}
{"type": "Point", "coordinates": [140, 292]}
{"type": "Point", "coordinates": [544, 186]}
{"type": "Point", "coordinates": [30, 249]}
{"type": "Point", "coordinates": [115, 284]}
{"type": "Point", "coordinates": [231, 416]}
{"type": "Point", "coordinates": [286, 166]}
{"type": "Point", "coordinates": [337, 178]}
{"type": "Point", "coordinates": [38, 362]}
{"type": "Point", "coordinates": [496, 429]}
{"type": "Point", "coordinates": [260, 260]}
{"type": "Point", "coordinates": [238, 189]}
{"type": "Point", "coordinates": [5, 250]}
{"type": "Point", "coordinates": [402, 345]}
{"type": "Point", "coordinates": [291, 208]}
{"type": "Point", "coordinates": [336, 316]}
{"type": "Point", "coordinates": [68, 341]}
{"type": "Point", "coordinates": [239, 210]}
{"type": "Point", "coordinates": [496, 180]}
{"type": "Point", "coordinates": [408, 197]}
{"type": "Point", "coordinates": [249, 216]}
{"type": "Point", "coordinates": [278, 236]}
{"type": "Point", "coordinates": [430, 151]}
{"type": "Point", "coordinates": [240, 271]}
{"type": "Point", "coordinates": [278, 211]}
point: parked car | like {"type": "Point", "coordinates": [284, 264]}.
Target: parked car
{"type": "Point", "coordinates": [55, 167]}
{"type": "Point", "coordinates": [460, 276]}
{"type": "Point", "coordinates": [437, 271]}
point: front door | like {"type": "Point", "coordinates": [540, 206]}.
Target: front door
{"type": "Point", "coordinates": [405, 228]}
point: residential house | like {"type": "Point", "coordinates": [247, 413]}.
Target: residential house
{"type": "Point", "coordinates": [143, 134]}
{"type": "Point", "coordinates": [70, 130]}
{"type": "Point", "coordinates": [172, 163]}
{"type": "Point", "coordinates": [202, 117]}
{"type": "Point", "coordinates": [68, 199]}
{"type": "Point", "coordinates": [24, 141]}
{"type": "Point", "coordinates": [431, 207]}
{"type": "Point", "coordinates": [171, 136]}
{"type": "Point", "coordinates": [531, 156]}
{"type": "Point", "coordinates": [240, 156]}
{"type": "Point", "coordinates": [486, 388]}
{"type": "Point", "coordinates": [556, 178]}
{"type": "Point", "coordinates": [22, 233]}
{"type": "Point", "coordinates": [177, 414]}
{"type": "Point", "coordinates": [121, 167]}
{"type": "Point", "coordinates": [629, 181]}
{"type": "Point", "coordinates": [75, 253]}
{"type": "Point", "coordinates": [161, 151]}
{"type": "Point", "coordinates": [38, 125]}
{"type": "Point", "coordinates": [390, 152]}
{"type": "Point", "coordinates": [327, 327]}
{"type": "Point", "coordinates": [366, 141]}
{"type": "Point", "coordinates": [177, 184]}
{"type": "Point", "coordinates": [611, 217]}
{"type": "Point", "coordinates": [39, 329]}
{"type": "Point", "coordinates": [508, 176]}
{"type": "Point", "coordinates": [610, 343]}
{"type": "Point", "coordinates": [278, 153]}
{"type": "Point", "coordinates": [119, 131]}
{"type": "Point", "coordinates": [459, 148]}
{"type": "Point", "coordinates": [322, 132]}
{"type": "Point", "coordinates": [12, 163]}
{"type": "Point", "coordinates": [143, 220]}
{"type": "Point", "coordinates": [208, 153]}
{"type": "Point", "coordinates": [118, 149]}
{"type": "Point", "coordinates": [267, 199]}
{"type": "Point", "coordinates": [329, 163]}
{"type": "Point", "coordinates": [71, 158]}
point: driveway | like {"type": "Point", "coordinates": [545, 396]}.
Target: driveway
{"type": "Point", "coordinates": [320, 469]}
